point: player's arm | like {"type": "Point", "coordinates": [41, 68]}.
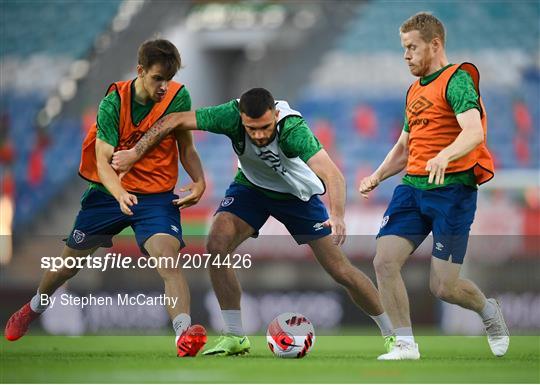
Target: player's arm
{"type": "Point", "coordinates": [175, 121]}
{"type": "Point", "coordinates": [395, 162]}
{"type": "Point", "coordinates": [110, 179]}
{"type": "Point", "coordinates": [189, 157]}
{"type": "Point", "coordinates": [471, 135]}
{"type": "Point", "coordinates": [333, 179]}
{"type": "Point", "coordinates": [463, 97]}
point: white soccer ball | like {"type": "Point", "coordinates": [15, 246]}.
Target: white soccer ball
{"type": "Point", "coordinates": [290, 335]}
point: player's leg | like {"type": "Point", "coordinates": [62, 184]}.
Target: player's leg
{"type": "Point", "coordinates": [189, 338]}
{"type": "Point", "coordinates": [392, 253]}
{"type": "Point", "coordinates": [359, 287]}
{"type": "Point", "coordinates": [451, 226]}
{"type": "Point", "coordinates": [156, 223]}
{"type": "Point", "coordinates": [240, 215]}
{"type": "Point", "coordinates": [227, 232]}
{"type": "Point", "coordinates": [304, 222]}
{"type": "Point", "coordinates": [52, 280]}
{"type": "Point", "coordinates": [452, 209]}
{"type": "Point", "coordinates": [402, 230]}
{"type": "Point", "coordinates": [445, 284]}
{"type": "Point", "coordinates": [163, 247]}
{"type": "Point", "coordinates": [18, 323]}
{"type": "Point", "coordinates": [98, 221]}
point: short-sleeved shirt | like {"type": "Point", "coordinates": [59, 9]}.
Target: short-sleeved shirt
{"type": "Point", "coordinates": [108, 116]}
{"type": "Point", "coordinates": [295, 137]}
{"type": "Point", "coordinates": [462, 96]}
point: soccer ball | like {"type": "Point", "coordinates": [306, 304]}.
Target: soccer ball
{"type": "Point", "coordinates": [290, 335]}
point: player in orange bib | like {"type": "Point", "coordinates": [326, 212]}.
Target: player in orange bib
{"type": "Point", "coordinates": [442, 146]}
{"type": "Point", "coordinates": [143, 198]}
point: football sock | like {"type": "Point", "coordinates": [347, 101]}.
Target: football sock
{"type": "Point", "coordinates": [180, 323]}
{"type": "Point", "coordinates": [488, 311]}
{"type": "Point", "coordinates": [384, 323]}
{"type": "Point", "coordinates": [36, 305]}
{"type": "Point", "coordinates": [405, 335]}
{"type": "Point", "coordinates": [233, 322]}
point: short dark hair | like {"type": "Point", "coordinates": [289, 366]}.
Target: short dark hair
{"type": "Point", "coordinates": [160, 51]}
{"type": "Point", "coordinates": [255, 102]}
{"type": "Point", "coordinates": [428, 25]}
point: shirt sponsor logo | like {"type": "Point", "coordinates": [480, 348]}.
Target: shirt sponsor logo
{"type": "Point", "coordinates": [418, 122]}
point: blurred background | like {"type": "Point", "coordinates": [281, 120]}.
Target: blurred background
{"type": "Point", "coordinates": [341, 65]}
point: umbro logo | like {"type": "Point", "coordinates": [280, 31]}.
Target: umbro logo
{"type": "Point", "coordinates": [318, 226]}
{"type": "Point", "coordinates": [439, 246]}
{"type": "Point", "coordinates": [419, 105]}
{"type": "Point", "coordinates": [174, 228]}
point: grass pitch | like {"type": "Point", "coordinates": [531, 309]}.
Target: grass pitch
{"type": "Point", "coordinates": [334, 359]}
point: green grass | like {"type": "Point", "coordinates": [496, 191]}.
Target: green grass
{"type": "Point", "coordinates": [334, 359]}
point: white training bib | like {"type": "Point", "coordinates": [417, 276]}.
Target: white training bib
{"type": "Point", "coordinates": [268, 167]}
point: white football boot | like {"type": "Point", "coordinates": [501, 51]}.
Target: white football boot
{"type": "Point", "coordinates": [497, 332]}
{"type": "Point", "coordinates": [401, 351]}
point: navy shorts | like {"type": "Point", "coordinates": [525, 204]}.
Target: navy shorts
{"type": "Point", "coordinates": [447, 211]}
{"type": "Point", "coordinates": [100, 218]}
{"type": "Point", "coordinates": [302, 219]}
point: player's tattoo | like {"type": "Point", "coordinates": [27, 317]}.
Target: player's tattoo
{"type": "Point", "coordinates": [158, 131]}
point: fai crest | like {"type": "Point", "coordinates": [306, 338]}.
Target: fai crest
{"type": "Point", "coordinates": [227, 201]}
{"type": "Point", "coordinates": [78, 236]}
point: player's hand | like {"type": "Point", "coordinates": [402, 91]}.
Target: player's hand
{"type": "Point", "coordinates": [123, 160]}
{"type": "Point", "coordinates": [368, 183]}
{"type": "Point", "coordinates": [436, 167]}
{"type": "Point", "coordinates": [196, 190]}
{"type": "Point", "coordinates": [339, 232]}
{"type": "Point", "coordinates": [126, 200]}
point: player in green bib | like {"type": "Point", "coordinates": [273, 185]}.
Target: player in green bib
{"type": "Point", "coordinates": [282, 170]}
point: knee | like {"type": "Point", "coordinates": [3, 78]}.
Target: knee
{"type": "Point", "coordinates": [165, 263]}
{"type": "Point", "coordinates": [217, 245]}
{"type": "Point", "coordinates": [442, 291]}
{"type": "Point", "coordinates": [385, 265]}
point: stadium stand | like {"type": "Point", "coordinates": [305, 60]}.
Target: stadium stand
{"type": "Point", "coordinates": [369, 53]}
{"type": "Point", "coordinates": [37, 56]}
{"type": "Point", "coordinates": [362, 102]}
